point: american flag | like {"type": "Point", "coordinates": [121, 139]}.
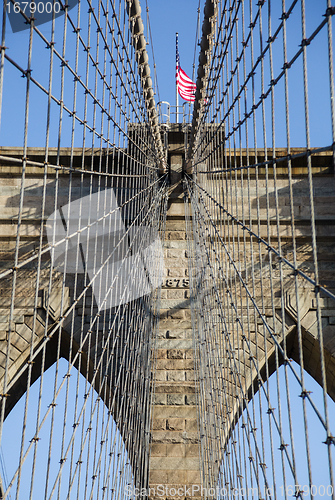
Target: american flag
{"type": "Point", "coordinates": [186, 88]}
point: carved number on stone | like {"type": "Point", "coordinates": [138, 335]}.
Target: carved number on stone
{"type": "Point", "coordinates": [177, 283]}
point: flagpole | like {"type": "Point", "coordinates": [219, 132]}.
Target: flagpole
{"type": "Point", "coordinates": [176, 78]}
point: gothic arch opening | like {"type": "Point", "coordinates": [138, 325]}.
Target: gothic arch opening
{"type": "Point", "coordinates": [79, 451]}
{"type": "Point", "coordinates": [279, 444]}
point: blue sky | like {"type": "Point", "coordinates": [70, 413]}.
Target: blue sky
{"type": "Point", "coordinates": [167, 17]}
{"type": "Point", "coordinates": [10, 446]}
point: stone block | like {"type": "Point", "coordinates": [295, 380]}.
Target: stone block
{"type": "Point", "coordinates": [175, 424]}
{"type": "Point", "coordinates": [159, 424]}
{"type": "Point", "coordinates": [176, 235]}
{"type": "Point", "coordinates": [175, 342]}
{"type": "Point", "coordinates": [175, 353]}
{"type": "Point", "coordinates": [175, 253]}
{"type": "Point", "coordinates": [175, 294]}
{"type": "Point", "coordinates": [161, 334]}
{"type": "Point", "coordinates": [160, 399]}
{"type": "Point", "coordinates": [329, 338]}
{"type": "Point", "coordinates": [175, 304]}
{"type": "Point", "coordinates": [159, 450]}
{"type": "Point", "coordinates": [37, 325]}
{"type": "Point", "coordinates": [179, 364]}
{"type": "Point", "coordinates": [179, 262]}
{"type": "Point", "coordinates": [192, 450]}
{"type": "Point", "coordinates": [176, 388]}
{"type": "Point", "coordinates": [160, 375]}
{"type": "Point", "coordinates": [176, 376]}
{"type": "Point", "coordinates": [180, 244]}
{"type": "Point", "coordinates": [163, 314]}
{"type": "Point", "coordinates": [192, 424]}
{"type": "Point", "coordinates": [175, 399]}
{"type": "Point", "coordinates": [174, 463]}
{"type": "Point", "coordinates": [175, 412]}
{"type": "Point", "coordinates": [193, 477]}
{"type": "Point", "coordinates": [3, 358]}
{"type": "Point", "coordinates": [175, 225]}
{"type": "Point", "coordinates": [170, 364]}
{"type": "Point", "coordinates": [191, 399]}
{"type": "Point", "coordinates": [176, 477]}
{"type": "Point", "coordinates": [176, 209]}
{"type": "Point", "coordinates": [161, 353]}
{"type": "Point", "coordinates": [177, 326]}
{"type": "Point", "coordinates": [176, 272]}
{"type": "Point", "coordinates": [24, 331]}
{"type": "Point", "coordinates": [188, 314]}
{"type": "Point", "coordinates": [55, 300]}
{"type": "Point", "coordinates": [157, 476]}
{"type": "Point", "coordinates": [176, 314]}
{"type": "Point", "coordinates": [189, 354]}
{"type": "Point", "coordinates": [21, 302]}
{"type": "Point", "coordinates": [177, 450]}
{"type": "Point", "coordinates": [190, 376]}
{"type": "Point", "coordinates": [19, 342]}
{"type": "Point", "coordinates": [168, 437]}
{"type": "Point", "coordinates": [16, 318]}
{"type": "Point", "coordinates": [328, 312]}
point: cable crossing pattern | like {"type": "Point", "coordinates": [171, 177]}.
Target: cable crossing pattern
{"type": "Point", "coordinates": [261, 240]}
{"type": "Point", "coordinates": [81, 263]}
{"type": "Point", "coordinates": [85, 196]}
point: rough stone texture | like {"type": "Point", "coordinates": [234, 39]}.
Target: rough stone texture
{"type": "Point", "coordinates": [38, 320]}
{"type": "Point", "coordinates": [261, 218]}
{"type": "Point", "coordinates": [175, 437]}
{"type": "Point", "coordinates": [175, 459]}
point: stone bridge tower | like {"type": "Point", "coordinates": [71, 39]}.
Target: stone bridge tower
{"type": "Point", "coordinates": [175, 445]}
{"type": "Point", "coordinates": [175, 449]}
